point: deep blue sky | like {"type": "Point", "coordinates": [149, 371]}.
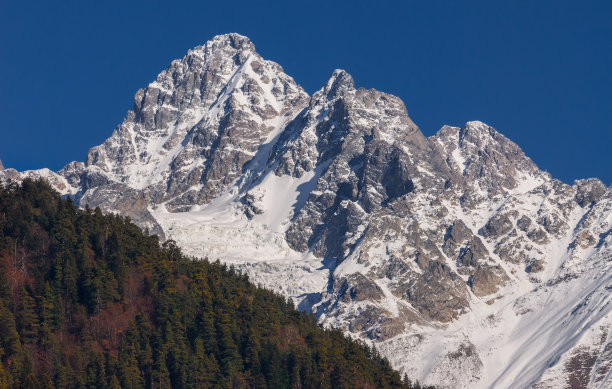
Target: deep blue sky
{"type": "Point", "coordinates": [538, 71]}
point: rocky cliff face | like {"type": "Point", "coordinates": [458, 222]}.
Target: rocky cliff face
{"type": "Point", "coordinates": [190, 133]}
{"type": "Point", "coordinates": [461, 260]}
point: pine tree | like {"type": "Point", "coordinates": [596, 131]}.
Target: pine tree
{"type": "Point", "coordinates": [95, 303]}
{"type": "Point", "coordinates": [28, 318]}
{"type": "Point", "coordinates": [9, 337]}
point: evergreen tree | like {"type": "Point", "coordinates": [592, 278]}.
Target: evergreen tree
{"type": "Point", "coordinates": [88, 300]}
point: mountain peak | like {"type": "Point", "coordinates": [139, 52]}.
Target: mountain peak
{"type": "Point", "coordinates": [234, 40]}
{"type": "Point", "coordinates": [490, 162]}
{"type": "Point", "coordinates": [340, 81]}
{"type": "Point", "coordinates": [225, 46]}
{"type": "Point", "coordinates": [476, 124]}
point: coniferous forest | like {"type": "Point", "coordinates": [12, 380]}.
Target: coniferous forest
{"type": "Point", "coordinates": [88, 300]}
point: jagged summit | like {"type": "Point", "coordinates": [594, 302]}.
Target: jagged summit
{"type": "Point", "coordinates": [193, 129]}
{"type": "Point", "coordinates": [339, 82]}
{"type": "Point", "coordinates": [487, 162]}
{"type": "Point", "coordinates": [234, 39]}
{"type": "Point", "coordinates": [453, 250]}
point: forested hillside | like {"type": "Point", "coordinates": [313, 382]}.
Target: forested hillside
{"type": "Point", "coordinates": [88, 300]}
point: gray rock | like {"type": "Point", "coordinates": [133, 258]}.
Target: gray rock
{"type": "Point", "coordinates": [589, 191]}
{"type": "Point", "coordinates": [357, 287]}
{"type": "Point", "coordinates": [487, 279]}
{"type": "Point", "coordinates": [497, 226]}
{"type": "Point", "coordinates": [461, 244]}
{"type": "Point", "coordinates": [552, 223]}
{"type": "Point", "coordinates": [439, 294]}
{"type": "Point", "coordinates": [538, 235]}
{"type": "Point", "coordinates": [523, 223]}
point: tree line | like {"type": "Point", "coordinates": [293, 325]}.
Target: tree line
{"type": "Point", "coordinates": [89, 300]}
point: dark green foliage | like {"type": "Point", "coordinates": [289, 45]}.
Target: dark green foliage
{"type": "Point", "coordinates": [88, 300]}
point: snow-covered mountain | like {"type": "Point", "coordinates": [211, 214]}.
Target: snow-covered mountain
{"type": "Point", "coordinates": [461, 260]}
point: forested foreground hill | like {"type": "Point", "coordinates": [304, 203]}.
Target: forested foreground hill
{"type": "Point", "coordinates": [88, 300]}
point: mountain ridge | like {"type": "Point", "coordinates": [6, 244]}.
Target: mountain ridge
{"type": "Point", "coordinates": [339, 201]}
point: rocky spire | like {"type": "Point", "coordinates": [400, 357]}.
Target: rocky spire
{"type": "Point", "coordinates": [194, 128]}
{"type": "Point", "coordinates": [339, 82]}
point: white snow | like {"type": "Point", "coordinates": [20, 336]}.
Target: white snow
{"type": "Point", "coordinates": [520, 336]}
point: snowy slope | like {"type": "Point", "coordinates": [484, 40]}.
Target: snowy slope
{"type": "Point", "coordinates": [455, 255]}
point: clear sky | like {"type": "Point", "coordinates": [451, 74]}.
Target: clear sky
{"type": "Point", "coordinates": [538, 71]}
